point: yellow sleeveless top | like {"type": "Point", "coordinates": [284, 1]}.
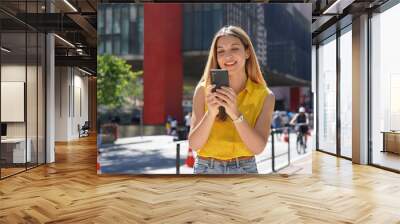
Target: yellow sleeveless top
{"type": "Point", "coordinates": [224, 141]}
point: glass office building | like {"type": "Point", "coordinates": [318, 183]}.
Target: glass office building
{"type": "Point", "coordinates": [120, 31]}
{"type": "Point", "coordinates": [282, 47]}
{"type": "Point", "coordinates": [120, 27]}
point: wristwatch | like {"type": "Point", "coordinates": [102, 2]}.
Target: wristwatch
{"type": "Point", "coordinates": [239, 119]}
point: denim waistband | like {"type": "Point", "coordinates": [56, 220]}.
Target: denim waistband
{"type": "Point", "coordinates": [242, 158]}
{"type": "Point", "coordinates": [233, 162]}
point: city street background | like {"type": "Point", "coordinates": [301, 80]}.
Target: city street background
{"type": "Point", "coordinates": [157, 155]}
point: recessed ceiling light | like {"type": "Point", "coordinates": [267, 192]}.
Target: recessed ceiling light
{"type": "Point", "coordinates": [86, 72]}
{"type": "Point", "coordinates": [70, 5]}
{"type": "Point", "coordinates": [337, 7]}
{"type": "Point", "coordinates": [5, 50]}
{"type": "Point", "coordinates": [64, 40]}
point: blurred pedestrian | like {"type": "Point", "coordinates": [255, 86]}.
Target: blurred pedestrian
{"type": "Point", "coordinates": [277, 123]}
{"type": "Point", "coordinates": [284, 118]}
{"type": "Point", "coordinates": [174, 127]}
{"type": "Point", "coordinates": [168, 125]}
{"type": "Point", "coordinates": [188, 119]}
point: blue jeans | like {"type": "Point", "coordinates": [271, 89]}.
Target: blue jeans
{"type": "Point", "coordinates": [212, 166]}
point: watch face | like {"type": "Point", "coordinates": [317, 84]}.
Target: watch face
{"type": "Point", "coordinates": [239, 119]}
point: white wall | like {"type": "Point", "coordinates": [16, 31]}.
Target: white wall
{"type": "Point", "coordinates": [13, 73]}
{"type": "Point", "coordinates": [80, 118]}
{"type": "Point", "coordinates": [70, 83]}
{"type": "Point", "coordinates": [61, 103]}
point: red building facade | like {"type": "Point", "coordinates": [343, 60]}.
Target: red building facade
{"type": "Point", "coordinates": [163, 64]}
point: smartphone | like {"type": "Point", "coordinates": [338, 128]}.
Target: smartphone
{"type": "Point", "coordinates": [219, 77]}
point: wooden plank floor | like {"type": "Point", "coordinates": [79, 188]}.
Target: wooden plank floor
{"type": "Point", "coordinates": [70, 191]}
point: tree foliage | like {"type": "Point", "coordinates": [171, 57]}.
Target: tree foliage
{"type": "Point", "coordinates": [116, 82]}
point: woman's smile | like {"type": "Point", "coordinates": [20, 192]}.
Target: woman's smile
{"type": "Point", "coordinates": [230, 64]}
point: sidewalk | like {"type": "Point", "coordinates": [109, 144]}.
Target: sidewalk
{"type": "Point", "coordinates": [157, 155]}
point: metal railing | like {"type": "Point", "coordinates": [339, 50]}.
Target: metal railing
{"type": "Point", "coordinates": [273, 154]}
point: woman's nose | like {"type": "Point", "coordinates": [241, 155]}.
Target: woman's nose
{"type": "Point", "coordinates": [228, 55]}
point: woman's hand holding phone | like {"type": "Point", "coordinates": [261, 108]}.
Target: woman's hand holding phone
{"type": "Point", "coordinates": [212, 101]}
{"type": "Point", "coordinates": [227, 99]}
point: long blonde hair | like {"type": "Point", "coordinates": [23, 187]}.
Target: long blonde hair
{"type": "Point", "coordinates": [252, 67]}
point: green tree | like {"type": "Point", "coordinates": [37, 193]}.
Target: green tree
{"type": "Point", "coordinates": [116, 82]}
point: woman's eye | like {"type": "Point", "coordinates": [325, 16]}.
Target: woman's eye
{"type": "Point", "coordinates": [235, 49]}
{"type": "Point", "coordinates": [220, 52]}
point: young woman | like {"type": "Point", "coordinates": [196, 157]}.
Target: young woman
{"type": "Point", "coordinates": [227, 140]}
